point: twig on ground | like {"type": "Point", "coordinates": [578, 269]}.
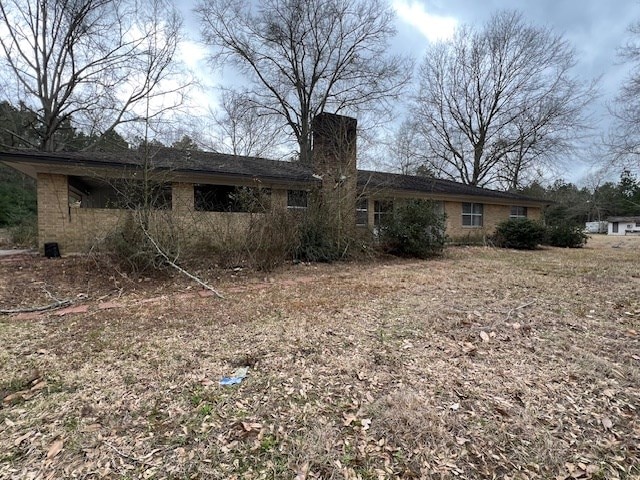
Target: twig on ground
{"type": "Point", "coordinates": [51, 306]}
{"type": "Point", "coordinates": [520, 307]}
{"type": "Point", "coordinates": [141, 461]}
{"type": "Point", "coordinates": [180, 269]}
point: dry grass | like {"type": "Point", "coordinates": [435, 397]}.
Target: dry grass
{"type": "Point", "coordinates": [483, 364]}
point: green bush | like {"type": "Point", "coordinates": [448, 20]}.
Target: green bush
{"type": "Point", "coordinates": [566, 236]}
{"type": "Point", "coordinates": [16, 204]}
{"type": "Point", "coordinates": [315, 241]}
{"type": "Point", "coordinates": [520, 233]}
{"type": "Point", "coordinates": [415, 229]}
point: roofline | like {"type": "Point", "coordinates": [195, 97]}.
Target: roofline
{"type": "Point", "coordinates": [481, 190]}
{"type": "Point", "coordinates": [41, 158]}
{"type": "Point", "coordinates": [84, 161]}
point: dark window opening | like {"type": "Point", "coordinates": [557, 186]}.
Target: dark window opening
{"type": "Point", "coordinates": [86, 192]}
{"type": "Point", "coordinates": [297, 199]}
{"type": "Point", "coordinates": [518, 212]}
{"type": "Point", "coordinates": [227, 198]}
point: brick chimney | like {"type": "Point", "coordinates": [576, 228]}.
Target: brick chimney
{"type": "Point", "coordinates": [334, 159]}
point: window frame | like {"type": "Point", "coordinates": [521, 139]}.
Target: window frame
{"type": "Point", "coordinates": [472, 218]}
{"type": "Point", "coordinates": [520, 212]}
{"type": "Point", "coordinates": [362, 211]}
{"type": "Point", "coordinates": [380, 209]}
{"type": "Point", "coordinates": [303, 194]}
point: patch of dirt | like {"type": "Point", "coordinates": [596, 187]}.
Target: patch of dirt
{"type": "Point", "coordinates": [484, 363]}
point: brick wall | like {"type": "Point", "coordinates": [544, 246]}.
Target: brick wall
{"type": "Point", "coordinates": [182, 199]}
{"type": "Point", "coordinates": [53, 209]}
{"type": "Point", "coordinates": [78, 229]}
{"type": "Point", "coordinates": [492, 216]}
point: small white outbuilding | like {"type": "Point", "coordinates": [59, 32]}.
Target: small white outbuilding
{"type": "Point", "coordinates": [624, 225]}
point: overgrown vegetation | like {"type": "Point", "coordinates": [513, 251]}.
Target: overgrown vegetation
{"type": "Point", "coordinates": [566, 236]}
{"type": "Point", "coordinates": [521, 233]}
{"type": "Point", "coordinates": [17, 197]}
{"type": "Point", "coordinates": [526, 234]}
{"type": "Point", "coordinates": [414, 229]}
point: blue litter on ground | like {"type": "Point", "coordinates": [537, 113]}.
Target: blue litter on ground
{"type": "Point", "coordinates": [236, 378]}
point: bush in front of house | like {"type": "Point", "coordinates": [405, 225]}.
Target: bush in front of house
{"type": "Point", "coordinates": [316, 243]}
{"type": "Point", "coordinates": [415, 229]}
{"type": "Point", "coordinates": [519, 233]}
{"type": "Point", "coordinates": [25, 232]}
{"type": "Point", "coordinates": [566, 236]}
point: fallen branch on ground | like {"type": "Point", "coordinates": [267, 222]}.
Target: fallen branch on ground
{"type": "Point", "coordinates": [179, 268]}
{"type": "Point", "coordinates": [51, 306]}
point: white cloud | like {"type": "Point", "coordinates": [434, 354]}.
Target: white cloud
{"type": "Point", "coordinates": [433, 27]}
{"type": "Point", "coordinates": [192, 54]}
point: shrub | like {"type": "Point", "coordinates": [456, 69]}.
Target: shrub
{"type": "Point", "coordinates": [17, 204]}
{"type": "Point", "coordinates": [315, 241]}
{"type": "Point", "coordinates": [131, 248]}
{"type": "Point", "coordinates": [415, 229]}
{"type": "Point", "coordinates": [25, 232]}
{"type": "Point", "coordinates": [271, 239]}
{"type": "Point", "coordinates": [521, 233]}
{"type": "Point", "coordinates": [566, 236]}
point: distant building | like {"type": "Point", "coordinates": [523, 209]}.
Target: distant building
{"type": "Point", "coordinates": [624, 225]}
{"type": "Point", "coordinates": [596, 227]}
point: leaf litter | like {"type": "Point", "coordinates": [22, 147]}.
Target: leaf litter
{"type": "Point", "coordinates": [482, 364]}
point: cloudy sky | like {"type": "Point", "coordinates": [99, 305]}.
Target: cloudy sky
{"type": "Point", "coordinates": [596, 28]}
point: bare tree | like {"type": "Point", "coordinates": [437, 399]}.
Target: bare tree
{"type": "Point", "coordinates": [240, 129]}
{"type": "Point", "coordinates": [404, 149]}
{"type": "Point", "coordinates": [498, 102]}
{"type": "Point", "coordinates": [624, 139]}
{"type": "Point", "coordinates": [303, 57]}
{"type": "Point", "coordinates": [95, 63]}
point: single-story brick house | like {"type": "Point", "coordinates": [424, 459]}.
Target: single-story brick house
{"type": "Point", "coordinates": [78, 202]}
{"type": "Point", "coordinates": [623, 225]}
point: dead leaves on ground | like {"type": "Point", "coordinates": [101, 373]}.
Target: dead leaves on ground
{"type": "Point", "coordinates": [497, 372]}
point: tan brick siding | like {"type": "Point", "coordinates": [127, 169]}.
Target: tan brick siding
{"type": "Point", "coordinates": [79, 229]}
{"type": "Point", "coordinates": [182, 198]}
{"type": "Point", "coordinates": [53, 209]}
{"type": "Point", "coordinates": [491, 217]}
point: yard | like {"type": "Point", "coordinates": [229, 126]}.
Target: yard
{"type": "Point", "coordinates": [484, 363]}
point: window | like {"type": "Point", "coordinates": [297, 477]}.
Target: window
{"type": "Point", "coordinates": [472, 214]}
{"type": "Point", "coordinates": [297, 199]}
{"type": "Point", "coordinates": [518, 212]}
{"type": "Point", "coordinates": [227, 198]}
{"type": "Point", "coordinates": [381, 208]}
{"type": "Point", "coordinates": [362, 212]}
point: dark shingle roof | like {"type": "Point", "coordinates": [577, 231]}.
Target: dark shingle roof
{"type": "Point", "coordinates": [624, 219]}
{"type": "Point", "coordinates": [179, 161]}
{"type": "Point", "coordinates": [384, 180]}
{"type": "Point", "coordinates": [211, 163]}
